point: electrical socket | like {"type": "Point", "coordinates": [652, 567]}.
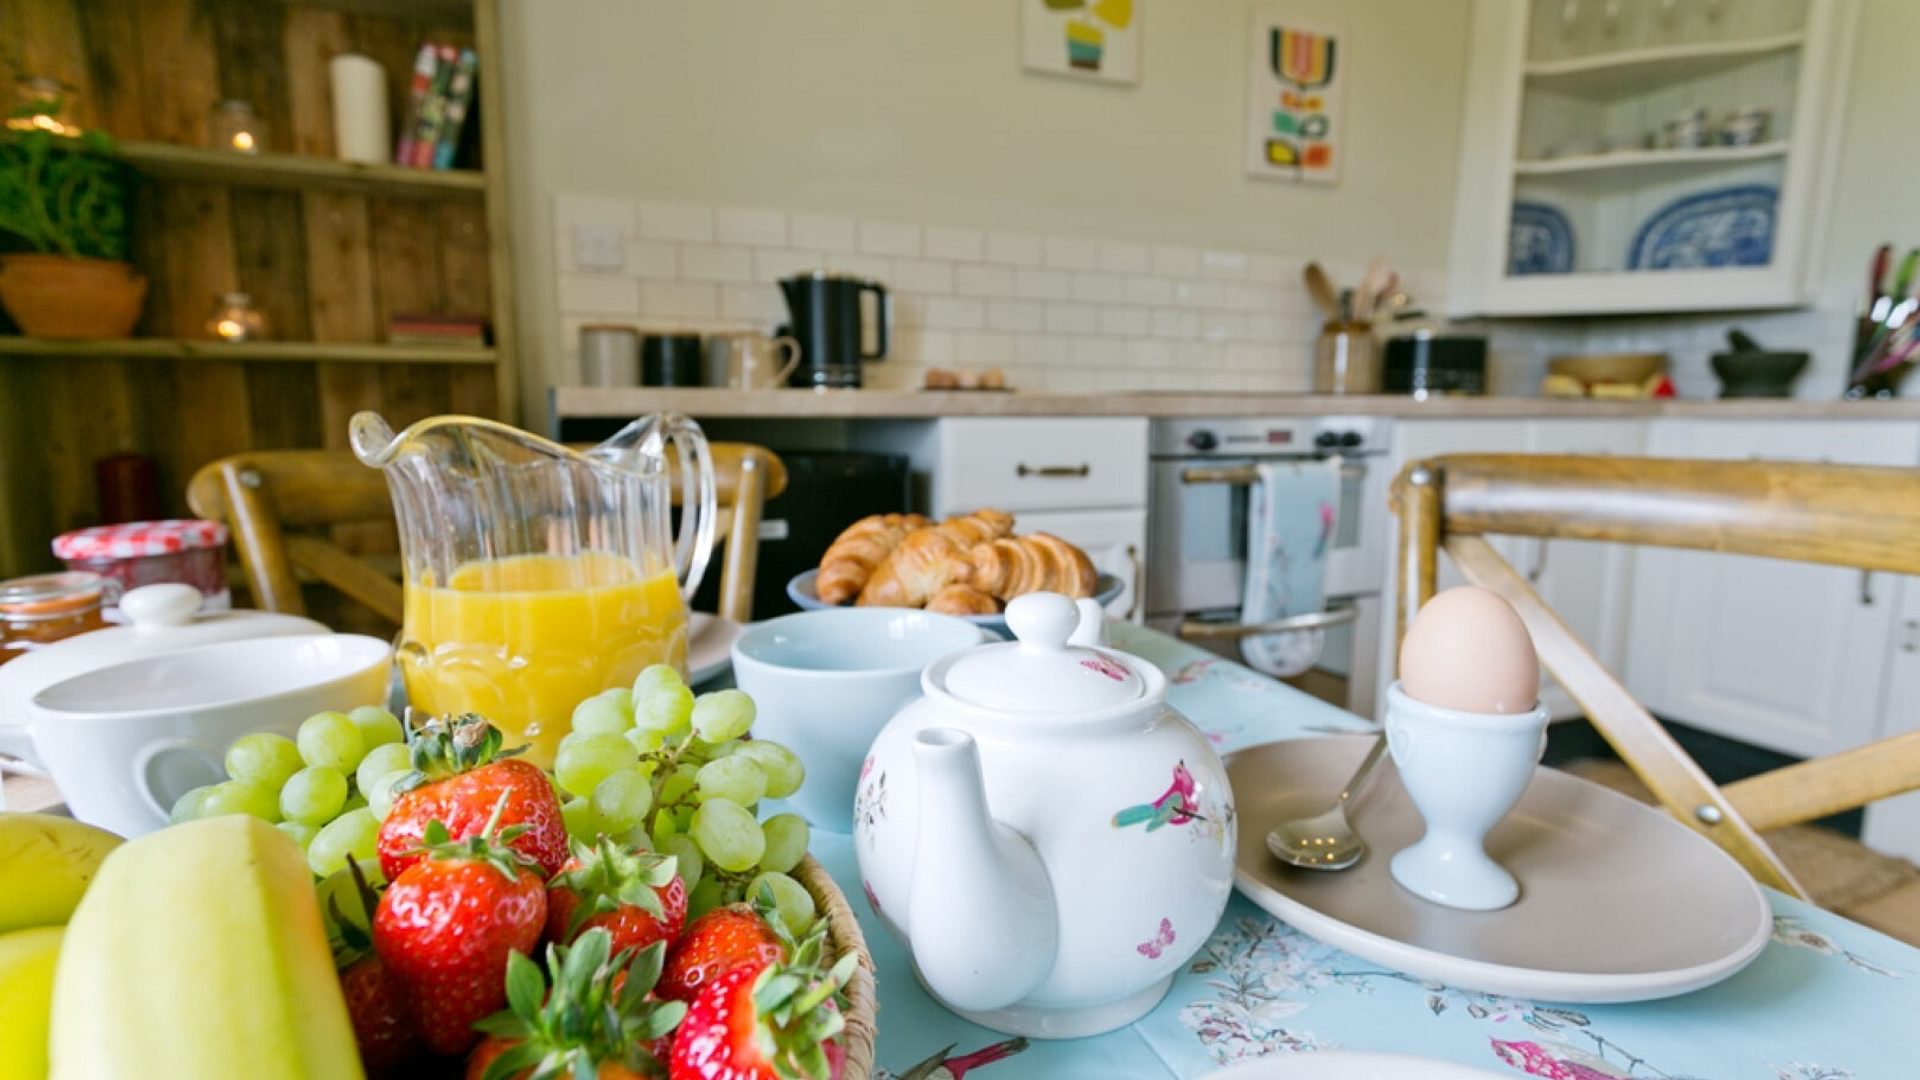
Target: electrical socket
{"type": "Point", "coordinates": [599, 247]}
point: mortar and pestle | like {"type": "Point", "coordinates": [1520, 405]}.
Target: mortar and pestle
{"type": "Point", "coordinates": [1752, 372]}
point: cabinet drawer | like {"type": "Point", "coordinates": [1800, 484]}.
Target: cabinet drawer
{"type": "Point", "coordinates": [1041, 463]}
{"type": "Point", "coordinates": [1116, 542]}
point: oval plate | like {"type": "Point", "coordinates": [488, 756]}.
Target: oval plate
{"type": "Point", "coordinates": [1345, 1065]}
{"type": "Point", "coordinates": [801, 591]}
{"type": "Point", "coordinates": [1618, 901]}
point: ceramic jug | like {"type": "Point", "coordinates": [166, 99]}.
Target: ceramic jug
{"type": "Point", "coordinates": [536, 576]}
{"type": "Point", "coordinates": [1049, 839]}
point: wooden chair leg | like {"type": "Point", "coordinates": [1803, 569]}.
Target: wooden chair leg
{"type": "Point", "coordinates": [1419, 510]}
{"type": "Point", "coordinates": [743, 542]}
{"type": "Point", "coordinates": [1641, 742]}
{"type": "Point", "coordinates": [258, 539]}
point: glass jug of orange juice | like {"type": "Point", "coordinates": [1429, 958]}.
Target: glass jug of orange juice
{"type": "Point", "coordinates": [537, 576]}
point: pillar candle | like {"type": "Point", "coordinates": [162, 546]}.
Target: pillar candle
{"type": "Point", "coordinates": [360, 126]}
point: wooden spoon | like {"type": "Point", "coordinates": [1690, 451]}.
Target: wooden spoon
{"type": "Point", "coordinates": [1320, 287]}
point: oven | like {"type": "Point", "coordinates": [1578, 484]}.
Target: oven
{"type": "Point", "coordinates": [1197, 532]}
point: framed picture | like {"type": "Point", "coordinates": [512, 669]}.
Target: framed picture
{"type": "Point", "coordinates": [1083, 39]}
{"type": "Point", "coordinates": [1296, 90]}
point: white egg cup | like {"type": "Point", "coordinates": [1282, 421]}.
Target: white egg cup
{"type": "Point", "coordinates": [1464, 772]}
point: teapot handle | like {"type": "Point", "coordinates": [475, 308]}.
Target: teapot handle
{"type": "Point", "coordinates": [699, 506]}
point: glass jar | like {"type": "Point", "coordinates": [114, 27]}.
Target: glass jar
{"type": "Point", "coordinates": [37, 611]}
{"type": "Point", "coordinates": [236, 127]}
{"type": "Point", "coordinates": [1346, 359]}
{"type": "Point", "coordinates": [42, 104]}
{"type": "Point", "coordinates": [235, 319]}
{"type": "Point", "coordinates": [151, 553]}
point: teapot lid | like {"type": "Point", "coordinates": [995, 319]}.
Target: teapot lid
{"type": "Point", "coordinates": [1042, 672]}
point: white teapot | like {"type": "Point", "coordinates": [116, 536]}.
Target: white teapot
{"type": "Point", "coordinates": [1046, 836]}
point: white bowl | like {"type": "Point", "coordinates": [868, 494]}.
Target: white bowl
{"type": "Point", "coordinates": [825, 682]}
{"type": "Point", "coordinates": [123, 742]}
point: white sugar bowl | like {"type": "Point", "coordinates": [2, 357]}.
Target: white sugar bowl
{"type": "Point", "coordinates": [1048, 838]}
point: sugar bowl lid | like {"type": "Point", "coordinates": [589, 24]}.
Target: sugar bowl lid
{"type": "Point", "coordinates": [1042, 671]}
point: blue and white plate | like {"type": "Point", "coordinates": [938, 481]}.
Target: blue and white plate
{"type": "Point", "coordinates": [1540, 240]}
{"type": "Point", "coordinates": [1727, 227]}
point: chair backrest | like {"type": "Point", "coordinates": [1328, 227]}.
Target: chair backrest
{"type": "Point", "coordinates": [1853, 516]}
{"type": "Point", "coordinates": [280, 504]}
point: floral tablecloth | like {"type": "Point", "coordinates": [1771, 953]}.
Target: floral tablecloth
{"type": "Point", "coordinates": [1827, 1000]}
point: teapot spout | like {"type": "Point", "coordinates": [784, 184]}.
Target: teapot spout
{"type": "Point", "coordinates": [982, 921]}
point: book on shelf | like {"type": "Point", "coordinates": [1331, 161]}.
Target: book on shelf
{"type": "Point", "coordinates": [439, 101]}
{"type": "Point", "coordinates": [425, 63]}
{"type": "Point", "coordinates": [459, 103]}
{"type": "Point", "coordinates": [433, 110]}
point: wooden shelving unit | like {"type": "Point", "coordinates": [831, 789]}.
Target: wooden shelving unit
{"type": "Point", "coordinates": [1609, 76]}
{"type": "Point", "coordinates": [297, 172]}
{"type": "Point", "coordinates": [295, 352]}
{"type": "Point", "coordinates": [1599, 172]}
{"type": "Point", "coordinates": [329, 250]}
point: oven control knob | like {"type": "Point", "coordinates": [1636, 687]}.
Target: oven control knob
{"type": "Point", "coordinates": [1326, 440]}
{"type": "Point", "coordinates": [1351, 439]}
{"type": "Point", "coordinates": [1203, 440]}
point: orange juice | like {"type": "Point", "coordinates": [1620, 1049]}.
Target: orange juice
{"type": "Point", "coordinates": [523, 640]}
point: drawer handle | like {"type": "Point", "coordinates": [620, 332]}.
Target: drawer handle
{"type": "Point", "coordinates": [1024, 469]}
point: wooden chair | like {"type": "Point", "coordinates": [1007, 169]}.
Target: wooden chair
{"type": "Point", "coordinates": [1864, 518]}
{"type": "Point", "coordinates": [279, 505]}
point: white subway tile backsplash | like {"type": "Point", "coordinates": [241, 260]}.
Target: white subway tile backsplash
{"type": "Point", "coordinates": [1173, 261]}
{"type": "Point", "coordinates": [1014, 248]}
{"type": "Point", "coordinates": [1148, 353]}
{"type": "Point", "coordinates": [1016, 315]}
{"type": "Point", "coordinates": [889, 237]}
{"type": "Point", "coordinates": [1200, 294]}
{"type": "Point", "coordinates": [909, 309]}
{"type": "Point", "coordinates": [1066, 318]}
{"type": "Point", "coordinates": [1199, 355]}
{"type": "Point", "coordinates": [759, 228]}
{"type": "Point", "coordinates": [679, 299]}
{"type": "Point", "coordinates": [704, 262]}
{"type": "Point", "coordinates": [1044, 284]}
{"type": "Point", "coordinates": [1124, 321]}
{"type": "Point", "coordinates": [979, 279]}
{"type": "Point", "coordinates": [1272, 270]}
{"type": "Point", "coordinates": [1099, 288]}
{"type": "Point", "coordinates": [1117, 257]}
{"type": "Point", "coordinates": [1246, 356]}
{"type": "Point", "coordinates": [922, 275]}
{"type": "Point", "coordinates": [1149, 290]}
{"type": "Point", "coordinates": [611, 293]}
{"type": "Point", "coordinates": [1098, 352]}
{"type": "Point", "coordinates": [872, 267]}
{"type": "Point", "coordinates": [1224, 265]}
{"type": "Point", "coordinates": [676, 221]}
{"type": "Point", "coordinates": [1223, 326]}
{"type": "Point", "coordinates": [936, 347]}
{"type": "Point", "coordinates": [1072, 253]}
{"type": "Point", "coordinates": [647, 258]}
{"type": "Point", "coordinates": [757, 302]}
{"type": "Point", "coordinates": [1042, 349]}
{"type": "Point", "coordinates": [1248, 297]}
{"type": "Point", "coordinates": [1175, 323]}
{"type": "Point", "coordinates": [772, 264]}
{"type": "Point", "coordinates": [975, 348]}
{"type": "Point", "coordinates": [827, 232]}
{"type": "Point", "coordinates": [955, 313]}
{"type": "Point", "coordinates": [948, 242]}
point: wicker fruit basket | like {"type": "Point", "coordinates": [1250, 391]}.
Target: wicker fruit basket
{"type": "Point", "coordinates": [843, 937]}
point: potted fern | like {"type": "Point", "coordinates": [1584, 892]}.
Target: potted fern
{"type": "Point", "coordinates": [63, 223]}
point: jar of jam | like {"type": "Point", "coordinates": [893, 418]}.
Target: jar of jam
{"type": "Point", "coordinates": [138, 553]}
{"type": "Point", "coordinates": [37, 611]}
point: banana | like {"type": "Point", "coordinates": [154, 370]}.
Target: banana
{"type": "Point", "coordinates": [45, 864]}
{"type": "Point", "coordinates": [26, 998]}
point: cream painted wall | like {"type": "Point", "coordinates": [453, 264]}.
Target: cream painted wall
{"type": "Point", "coordinates": [919, 109]}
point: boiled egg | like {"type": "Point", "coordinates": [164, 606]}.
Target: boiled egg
{"type": "Point", "coordinates": [1467, 650]}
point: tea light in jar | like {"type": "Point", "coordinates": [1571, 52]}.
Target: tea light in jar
{"type": "Point", "coordinates": [237, 127]}
{"type": "Point", "coordinates": [234, 319]}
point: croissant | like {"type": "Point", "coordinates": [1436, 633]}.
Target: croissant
{"type": "Point", "coordinates": [863, 545]}
{"type": "Point", "coordinates": [927, 561]}
{"type": "Point", "coordinates": [967, 530]}
{"type": "Point", "coordinates": [963, 600]}
{"type": "Point", "coordinates": [1017, 565]}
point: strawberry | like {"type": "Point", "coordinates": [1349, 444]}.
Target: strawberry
{"type": "Point", "coordinates": [448, 926]}
{"type": "Point", "coordinates": [460, 772]}
{"type": "Point", "coordinates": [764, 1021]}
{"type": "Point", "coordinates": [635, 895]}
{"type": "Point", "coordinates": [716, 942]}
{"type": "Point", "coordinates": [599, 1020]}
{"type": "Point", "coordinates": [381, 1029]}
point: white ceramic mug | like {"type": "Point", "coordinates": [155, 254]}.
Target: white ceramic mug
{"type": "Point", "coordinates": [750, 361]}
{"type": "Point", "coordinates": [825, 682]}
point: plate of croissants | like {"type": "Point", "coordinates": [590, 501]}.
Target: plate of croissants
{"type": "Point", "coordinates": [969, 565]}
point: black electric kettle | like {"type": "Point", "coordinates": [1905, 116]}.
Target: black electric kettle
{"type": "Point", "coordinates": [826, 321]}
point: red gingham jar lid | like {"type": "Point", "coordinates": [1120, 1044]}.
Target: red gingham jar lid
{"type": "Point", "coordinates": [135, 539]}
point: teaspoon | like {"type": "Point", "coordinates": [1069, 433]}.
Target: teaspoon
{"type": "Point", "coordinates": [1327, 840]}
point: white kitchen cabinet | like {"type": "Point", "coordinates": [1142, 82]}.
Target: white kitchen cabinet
{"type": "Point", "coordinates": [1893, 825]}
{"type": "Point", "coordinates": [1116, 541]}
{"type": "Point", "coordinates": [1563, 207]}
{"type": "Point", "coordinates": [1784, 655]}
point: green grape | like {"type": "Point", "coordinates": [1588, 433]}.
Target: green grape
{"type": "Point", "coordinates": [735, 779]}
{"type": "Point", "coordinates": [379, 794]}
{"type": "Point", "coordinates": [381, 760]}
{"type": "Point", "coordinates": [782, 766]}
{"type": "Point", "coordinates": [190, 805]}
{"type": "Point", "coordinates": [314, 795]}
{"type": "Point", "coordinates": [635, 839]}
{"type": "Point", "coordinates": [786, 836]}
{"type": "Point", "coordinates": [609, 712]}
{"type": "Point", "coordinates": [722, 715]}
{"type": "Point", "coordinates": [581, 822]}
{"type": "Point", "coordinates": [263, 758]}
{"type": "Point", "coordinates": [585, 760]}
{"type": "Point", "coordinates": [728, 834]}
{"type": "Point", "coordinates": [241, 797]}
{"type": "Point", "coordinates": [353, 835]}
{"type": "Point", "coordinates": [683, 817]}
{"type": "Point", "coordinates": [790, 899]}
{"type": "Point", "coordinates": [378, 727]}
{"type": "Point", "coordinates": [725, 749]}
{"type": "Point", "coordinates": [663, 830]}
{"type": "Point", "coordinates": [668, 710]}
{"type": "Point", "coordinates": [704, 897]}
{"type": "Point", "coordinates": [331, 739]}
{"type": "Point", "coordinates": [301, 832]}
{"type": "Point", "coordinates": [688, 862]}
{"type": "Point", "coordinates": [656, 679]}
{"type": "Point", "coordinates": [355, 801]}
{"type": "Point", "coordinates": [644, 741]}
{"type": "Point", "coordinates": [622, 800]}
{"type": "Point", "coordinates": [676, 787]}
{"type": "Point", "coordinates": [370, 869]}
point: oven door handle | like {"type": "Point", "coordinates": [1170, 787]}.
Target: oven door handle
{"type": "Point", "coordinates": [1200, 630]}
{"type": "Point", "coordinates": [1242, 475]}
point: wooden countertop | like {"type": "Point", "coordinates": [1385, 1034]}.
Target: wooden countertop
{"type": "Point", "coordinates": [615, 402]}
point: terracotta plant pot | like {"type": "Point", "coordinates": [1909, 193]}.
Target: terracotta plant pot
{"type": "Point", "coordinates": [55, 296]}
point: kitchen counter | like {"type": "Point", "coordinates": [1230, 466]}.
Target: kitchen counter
{"type": "Point", "coordinates": [616, 402]}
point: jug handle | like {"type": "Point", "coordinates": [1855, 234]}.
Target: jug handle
{"type": "Point", "coordinates": [698, 502]}
{"type": "Point", "coordinates": [880, 314]}
{"type": "Point", "coordinates": [792, 347]}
